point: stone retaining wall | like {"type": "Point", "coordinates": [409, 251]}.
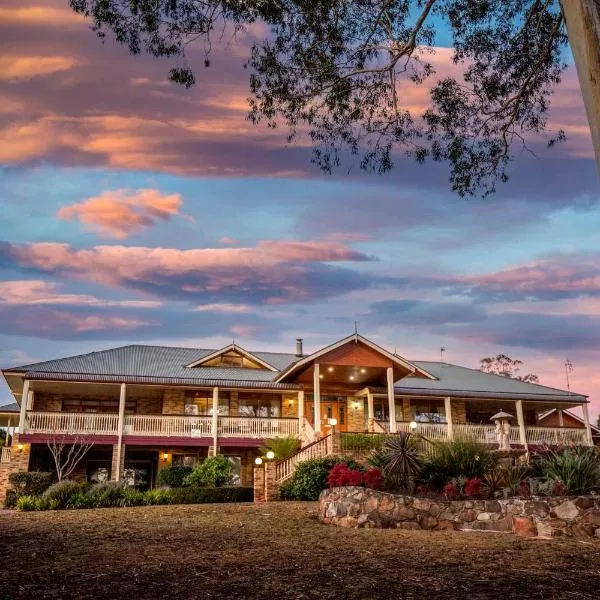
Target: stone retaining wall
{"type": "Point", "coordinates": [544, 517]}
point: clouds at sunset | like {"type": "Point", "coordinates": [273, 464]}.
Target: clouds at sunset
{"type": "Point", "coordinates": [119, 213]}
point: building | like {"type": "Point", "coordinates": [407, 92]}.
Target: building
{"type": "Point", "coordinates": [146, 407]}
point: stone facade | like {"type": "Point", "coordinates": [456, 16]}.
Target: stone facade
{"type": "Point", "coordinates": [173, 401]}
{"type": "Point", "coordinates": [542, 517]}
{"type": "Point", "coordinates": [19, 461]}
{"type": "Point", "coordinates": [459, 411]}
{"type": "Point", "coordinates": [355, 413]}
{"type": "Point", "coordinates": [113, 468]}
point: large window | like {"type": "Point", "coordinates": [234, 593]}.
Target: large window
{"type": "Point", "coordinates": [201, 403]}
{"type": "Point", "coordinates": [259, 405]}
{"type": "Point", "coordinates": [424, 411]}
{"type": "Point", "coordinates": [381, 409]}
{"type": "Point", "coordinates": [97, 406]}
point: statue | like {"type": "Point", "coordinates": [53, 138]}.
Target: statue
{"type": "Point", "coordinates": [502, 422]}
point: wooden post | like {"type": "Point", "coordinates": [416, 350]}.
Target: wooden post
{"type": "Point", "coordinates": [300, 413]}
{"type": "Point", "coordinates": [586, 420]}
{"type": "Point", "coordinates": [122, 397]}
{"type": "Point", "coordinates": [8, 433]}
{"type": "Point", "coordinates": [370, 411]}
{"type": "Point", "coordinates": [521, 421]}
{"type": "Point", "coordinates": [583, 28]}
{"type": "Point", "coordinates": [215, 420]}
{"type": "Point", "coordinates": [24, 400]}
{"type": "Point", "coordinates": [561, 421]}
{"type": "Point", "coordinates": [391, 399]}
{"type": "Point", "coordinates": [317, 399]}
{"type": "Point", "coordinates": [448, 407]}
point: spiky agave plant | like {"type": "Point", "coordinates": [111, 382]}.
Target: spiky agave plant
{"type": "Point", "coordinates": [400, 461]}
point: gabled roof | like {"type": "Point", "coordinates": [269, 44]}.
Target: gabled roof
{"type": "Point", "coordinates": [231, 348]}
{"type": "Point", "coordinates": [11, 408]}
{"type": "Point", "coordinates": [546, 414]}
{"type": "Point", "coordinates": [355, 337]}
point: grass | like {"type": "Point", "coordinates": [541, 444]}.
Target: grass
{"type": "Point", "coordinates": [277, 550]}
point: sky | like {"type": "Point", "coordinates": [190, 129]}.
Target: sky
{"type": "Point", "coordinates": [135, 211]}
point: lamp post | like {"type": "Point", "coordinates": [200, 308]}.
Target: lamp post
{"type": "Point", "coordinates": [332, 423]}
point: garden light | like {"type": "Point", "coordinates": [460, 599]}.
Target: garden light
{"type": "Point", "coordinates": [270, 455]}
{"type": "Point", "coordinates": [258, 461]}
{"type": "Point", "coordinates": [413, 425]}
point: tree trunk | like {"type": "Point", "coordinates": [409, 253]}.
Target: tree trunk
{"type": "Point", "coordinates": [583, 27]}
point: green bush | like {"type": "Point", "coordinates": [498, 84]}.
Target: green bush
{"type": "Point", "coordinates": [79, 500]}
{"type": "Point", "coordinates": [283, 447]}
{"type": "Point", "coordinates": [211, 472]}
{"type": "Point", "coordinates": [195, 495]}
{"type": "Point", "coordinates": [132, 498]}
{"type": "Point", "coordinates": [59, 494]}
{"type": "Point", "coordinates": [359, 442]}
{"type": "Point", "coordinates": [105, 495]}
{"type": "Point", "coordinates": [456, 459]}
{"type": "Point", "coordinates": [158, 496]}
{"type": "Point", "coordinates": [33, 483]}
{"type": "Point", "coordinates": [310, 477]}
{"type": "Point", "coordinates": [27, 503]}
{"type": "Point", "coordinates": [577, 468]}
{"type": "Point", "coordinates": [173, 476]}
{"type": "Point", "coordinates": [11, 499]}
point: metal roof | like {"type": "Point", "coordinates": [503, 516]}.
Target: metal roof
{"type": "Point", "coordinates": [166, 365]}
{"type": "Point", "coordinates": [10, 408]}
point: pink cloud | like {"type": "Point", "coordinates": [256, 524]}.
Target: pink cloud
{"type": "Point", "coordinates": [119, 213]}
{"type": "Point", "coordinates": [38, 292]}
{"type": "Point", "coordinates": [57, 320]}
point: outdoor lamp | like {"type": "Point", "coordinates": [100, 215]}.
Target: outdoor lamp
{"type": "Point", "coordinates": [333, 422]}
{"type": "Point", "coordinates": [20, 447]}
{"type": "Point", "coordinates": [270, 455]}
{"type": "Point", "coordinates": [258, 461]}
{"type": "Point", "coordinates": [165, 456]}
{"type": "Point", "coordinates": [413, 425]}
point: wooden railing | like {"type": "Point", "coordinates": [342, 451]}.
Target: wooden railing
{"type": "Point", "coordinates": [308, 432]}
{"type": "Point", "coordinates": [5, 455]}
{"type": "Point", "coordinates": [176, 425]}
{"type": "Point", "coordinates": [484, 434]}
{"type": "Point", "coordinates": [556, 435]}
{"type": "Point", "coordinates": [284, 469]}
{"type": "Point", "coordinates": [256, 427]}
{"type": "Point", "coordinates": [431, 431]}
{"type": "Point", "coordinates": [71, 423]}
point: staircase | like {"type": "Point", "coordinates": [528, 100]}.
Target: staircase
{"type": "Point", "coordinates": [284, 469]}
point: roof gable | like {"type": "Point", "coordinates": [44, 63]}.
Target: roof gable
{"type": "Point", "coordinates": [232, 356]}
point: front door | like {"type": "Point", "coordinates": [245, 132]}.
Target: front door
{"type": "Point", "coordinates": [330, 409]}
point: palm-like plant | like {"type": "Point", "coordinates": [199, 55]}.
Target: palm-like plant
{"type": "Point", "coordinates": [577, 468]}
{"type": "Point", "coordinates": [399, 461]}
{"type": "Point", "coordinates": [283, 447]}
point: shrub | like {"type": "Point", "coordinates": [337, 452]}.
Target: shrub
{"type": "Point", "coordinates": [577, 468]}
{"type": "Point", "coordinates": [26, 503]}
{"type": "Point", "coordinates": [457, 458]}
{"type": "Point", "coordinates": [105, 495]}
{"type": "Point", "coordinates": [451, 490]}
{"type": "Point", "coordinates": [340, 475]}
{"type": "Point", "coordinates": [11, 499]}
{"type": "Point", "coordinates": [158, 496]}
{"type": "Point", "coordinates": [212, 472]}
{"type": "Point", "coordinates": [400, 461]}
{"type": "Point", "coordinates": [195, 495]}
{"type": "Point", "coordinates": [357, 442]}
{"type": "Point", "coordinates": [33, 483]}
{"type": "Point", "coordinates": [132, 497]}
{"type": "Point", "coordinates": [283, 447]}
{"type": "Point", "coordinates": [473, 487]}
{"type": "Point", "coordinates": [310, 477]}
{"type": "Point", "coordinates": [514, 475]}
{"type": "Point", "coordinates": [79, 500]}
{"type": "Point", "coordinates": [59, 494]}
{"type": "Point", "coordinates": [173, 476]}
{"type": "Point", "coordinates": [373, 479]}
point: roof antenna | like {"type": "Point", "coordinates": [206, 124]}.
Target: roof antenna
{"type": "Point", "coordinates": [233, 341]}
{"type": "Point", "coordinates": [355, 331]}
{"type": "Point", "coordinates": [442, 350]}
{"type": "Point", "coordinates": [568, 369]}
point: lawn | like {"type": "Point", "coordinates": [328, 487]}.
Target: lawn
{"type": "Point", "coordinates": [274, 551]}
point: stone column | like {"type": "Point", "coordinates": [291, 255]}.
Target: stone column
{"type": "Point", "coordinates": [259, 483]}
{"type": "Point", "coordinates": [317, 399]}
{"type": "Point", "coordinates": [271, 491]}
{"type": "Point", "coordinates": [300, 413]}
{"type": "Point", "coordinates": [19, 461]}
{"type": "Point", "coordinates": [391, 400]}
{"type": "Point", "coordinates": [118, 462]}
{"type": "Point", "coordinates": [370, 412]}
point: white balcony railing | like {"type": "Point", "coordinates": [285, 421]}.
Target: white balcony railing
{"type": "Point", "coordinates": [158, 425]}
{"type": "Point", "coordinates": [252, 427]}
{"type": "Point", "coordinates": [177, 426]}
{"type": "Point", "coordinates": [71, 423]}
{"type": "Point", "coordinates": [431, 431]}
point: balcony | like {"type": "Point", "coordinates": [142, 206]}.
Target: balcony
{"type": "Point", "coordinates": [57, 423]}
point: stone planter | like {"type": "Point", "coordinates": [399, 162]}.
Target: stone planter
{"type": "Point", "coordinates": [526, 517]}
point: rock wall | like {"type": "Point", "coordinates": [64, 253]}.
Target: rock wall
{"type": "Point", "coordinates": [544, 517]}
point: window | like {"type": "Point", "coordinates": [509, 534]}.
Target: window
{"type": "Point", "coordinates": [185, 460]}
{"type": "Point", "coordinates": [381, 409]}
{"type": "Point", "coordinates": [232, 358]}
{"type": "Point", "coordinates": [236, 473]}
{"type": "Point", "coordinates": [97, 406]}
{"type": "Point", "coordinates": [200, 402]}
{"type": "Point", "coordinates": [342, 414]}
{"type": "Point", "coordinates": [428, 412]}
{"type": "Point", "coordinates": [259, 405]}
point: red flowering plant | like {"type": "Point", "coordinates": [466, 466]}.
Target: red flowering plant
{"type": "Point", "coordinates": [341, 475]}
{"type": "Point", "coordinates": [451, 490]}
{"type": "Point", "coordinates": [473, 487]}
{"type": "Point", "coordinates": [524, 489]}
{"type": "Point", "coordinates": [373, 479]}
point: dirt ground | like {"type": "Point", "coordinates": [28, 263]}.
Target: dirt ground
{"type": "Point", "coordinates": [274, 551]}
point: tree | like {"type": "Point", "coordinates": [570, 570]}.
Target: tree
{"type": "Point", "coordinates": [67, 455]}
{"type": "Point", "coordinates": [506, 366]}
{"type": "Point", "coordinates": [342, 72]}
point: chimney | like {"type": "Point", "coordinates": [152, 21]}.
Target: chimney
{"type": "Point", "coordinates": [299, 347]}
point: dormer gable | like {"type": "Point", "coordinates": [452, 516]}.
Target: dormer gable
{"type": "Point", "coordinates": [231, 357]}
